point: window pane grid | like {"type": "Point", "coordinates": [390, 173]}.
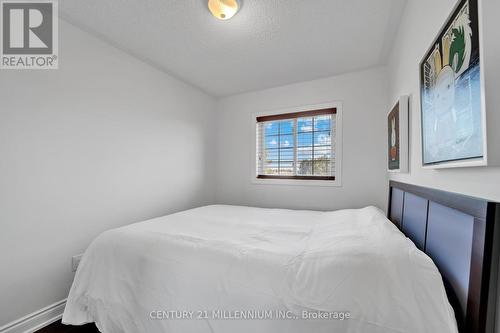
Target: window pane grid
{"type": "Point", "coordinates": [301, 147]}
{"type": "Point", "coordinates": [306, 146]}
{"type": "Point", "coordinates": [309, 132]}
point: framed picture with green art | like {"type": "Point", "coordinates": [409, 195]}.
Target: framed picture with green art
{"type": "Point", "coordinates": [452, 94]}
{"type": "Point", "coordinates": [397, 136]}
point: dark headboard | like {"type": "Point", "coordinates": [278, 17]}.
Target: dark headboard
{"type": "Point", "coordinates": [460, 234]}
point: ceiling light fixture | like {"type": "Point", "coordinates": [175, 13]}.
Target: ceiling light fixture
{"type": "Point", "coordinates": [223, 9]}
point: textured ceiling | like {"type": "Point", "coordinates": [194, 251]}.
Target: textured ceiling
{"type": "Point", "coordinates": [268, 43]}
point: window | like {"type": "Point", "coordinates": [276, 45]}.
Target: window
{"type": "Point", "coordinates": [298, 145]}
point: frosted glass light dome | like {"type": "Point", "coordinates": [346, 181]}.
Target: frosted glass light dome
{"type": "Point", "coordinates": [223, 9]}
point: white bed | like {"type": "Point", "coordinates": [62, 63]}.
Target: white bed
{"type": "Point", "coordinates": [225, 262]}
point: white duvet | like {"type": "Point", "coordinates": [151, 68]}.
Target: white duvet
{"type": "Point", "coordinates": [233, 269]}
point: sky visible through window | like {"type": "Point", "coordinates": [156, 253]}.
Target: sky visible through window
{"type": "Point", "coordinates": [304, 140]}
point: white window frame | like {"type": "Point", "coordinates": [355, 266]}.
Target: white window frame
{"type": "Point", "coordinates": [301, 182]}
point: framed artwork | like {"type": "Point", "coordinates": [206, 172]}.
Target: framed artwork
{"type": "Point", "coordinates": [452, 94]}
{"type": "Point", "coordinates": [397, 136]}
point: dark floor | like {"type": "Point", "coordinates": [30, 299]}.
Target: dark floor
{"type": "Point", "coordinates": [57, 327]}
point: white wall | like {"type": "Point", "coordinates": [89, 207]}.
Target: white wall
{"type": "Point", "coordinates": [419, 26]}
{"type": "Point", "coordinates": [364, 97]}
{"type": "Point", "coordinates": [104, 141]}
{"type": "Point", "coordinates": [418, 29]}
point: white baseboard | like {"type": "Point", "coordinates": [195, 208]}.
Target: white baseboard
{"type": "Point", "coordinates": [37, 320]}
